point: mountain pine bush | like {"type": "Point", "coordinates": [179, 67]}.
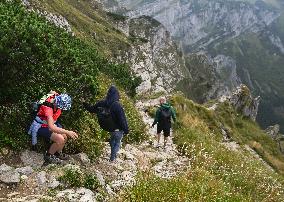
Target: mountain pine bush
{"type": "Point", "coordinates": [36, 57]}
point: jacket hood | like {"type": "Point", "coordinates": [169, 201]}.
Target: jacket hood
{"type": "Point", "coordinates": [112, 95]}
{"type": "Point", "coordinates": [166, 105]}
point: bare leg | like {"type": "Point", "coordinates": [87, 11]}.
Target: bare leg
{"type": "Point", "coordinates": [65, 140]}
{"type": "Point", "coordinates": [58, 143]}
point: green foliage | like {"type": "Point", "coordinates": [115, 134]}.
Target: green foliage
{"type": "Point", "coordinates": [89, 23]}
{"type": "Point", "coordinates": [122, 75]}
{"type": "Point", "coordinates": [43, 58]}
{"type": "Point", "coordinates": [72, 177]}
{"type": "Point", "coordinates": [197, 185]}
{"type": "Point", "coordinates": [246, 131]}
{"type": "Point", "coordinates": [6, 141]}
{"type": "Point", "coordinates": [116, 17]}
{"type": "Point", "coordinates": [76, 178]}
{"type": "Point", "coordinates": [215, 173]}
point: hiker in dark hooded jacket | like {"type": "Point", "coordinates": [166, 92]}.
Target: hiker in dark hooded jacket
{"type": "Point", "coordinates": [117, 113]}
{"type": "Point", "coordinates": [163, 117]}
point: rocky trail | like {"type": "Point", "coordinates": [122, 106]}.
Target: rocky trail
{"type": "Point", "coordinates": [26, 179]}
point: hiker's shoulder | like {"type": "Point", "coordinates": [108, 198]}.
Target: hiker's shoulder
{"type": "Point", "coordinates": [100, 103]}
{"type": "Point", "coordinates": [116, 104]}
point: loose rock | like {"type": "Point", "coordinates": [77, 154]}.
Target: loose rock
{"type": "Point", "coordinates": [25, 170]}
{"type": "Point", "coordinates": [10, 177]}
{"type": "Point", "coordinates": [79, 195]}
{"type": "Point", "coordinates": [41, 178]}
{"type": "Point", "coordinates": [5, 168]}
{"type": "Point", "coordinates": [31, 158]}
{"type": "Point", "coordinates": [83, 158]}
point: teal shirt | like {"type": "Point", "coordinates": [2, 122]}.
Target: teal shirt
{"type": "Point", "coordinates": [166, 106]}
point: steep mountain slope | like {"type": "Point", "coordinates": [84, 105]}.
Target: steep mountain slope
{"type": "Point", "coordinates": [219, 171]}
{"type": "Point", "coordinates": [37, 56]}
{"type": "Point", "coordinates": [141, 43]}
{"type": "Point", "coordinates": [221, 153]}
{"type": "Point", "coordinates": [248, 32]}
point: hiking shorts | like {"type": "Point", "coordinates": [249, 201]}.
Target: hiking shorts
{"type": "Point", "coordinates": [45, 132]}
{"type": "Point", "coordinates": [166, 130]}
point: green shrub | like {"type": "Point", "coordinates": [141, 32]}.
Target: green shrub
{"type": "Point", "coordinates": [91, 182]}
{"type": "Point", "coordinates": [76, 178]}
{"type": "Point", "coordinates": [116, 17]}
{"type": "Point", "coordinates": [36, 57]}
{"type": "Point", "coordinates": [72, 177]}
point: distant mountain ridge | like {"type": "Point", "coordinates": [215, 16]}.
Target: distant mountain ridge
{"type": "Point", "coordinates": [249, 32]}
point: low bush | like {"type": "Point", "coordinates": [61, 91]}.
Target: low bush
{"type": "Point", "coordinates": [36, 57]}
{"type": "Point", "coordinates": [76, 178]}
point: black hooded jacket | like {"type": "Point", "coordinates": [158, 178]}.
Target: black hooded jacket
{"type": "Point", "coordinates": [117, 112]}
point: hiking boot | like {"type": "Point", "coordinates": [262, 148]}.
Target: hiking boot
{"type": "Point", "coordinates": [62, 156]}
{"type": "Point", "coordinates": [52, 159]}
{"type": "Point", "coordinates": [113, 161]}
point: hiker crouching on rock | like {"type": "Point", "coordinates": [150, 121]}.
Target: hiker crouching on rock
{"type": "Point", "coordinates": [45, 125]}
{"type": "Point", "coordinates": [163, 118]}
{"type": "Point", "coordinates": [111, 118]}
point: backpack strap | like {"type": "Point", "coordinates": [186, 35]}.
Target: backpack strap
{"type": "Point", "coordinates": [112, 104]}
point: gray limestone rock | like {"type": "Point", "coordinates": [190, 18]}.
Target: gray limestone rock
{"type": "Point", "coordinates": [244, 102]}
{"type": "Point", "coordinates": [25, 170]}
{"type": "Point", "coordinates": [83, 158]}
{"type": "Point", "coordinates": [273, 131]}
{"type": "Point", "coordinates": [41, 178]}
{"type": "Point", "coordinates": [78, 195]}
{"type": "Point", "coordinates": [53, 182]}
{"type": "Point", "coordinates": [5, 168]}
{"type": "Point", "coordinates": [31, 158]}
{"type": "Point", "coordinates": [155, 57]}
{"type": "Point", "coordinates": [197, 23]}
{"type": "Point", "coordinates": [109, 190]}
{"type": "Point", "coordinates": [100, 178]}
{"type": "Point", "coordinates": [10, 177]}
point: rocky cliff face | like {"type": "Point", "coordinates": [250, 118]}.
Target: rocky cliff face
{"type": "Point", "coordinates": [201, 23]}
{"type": "Point", "coordinates": [243, 102]}
{"type": "Point", "coordinates": [250, 33]}
{"type": "Point", "coordinates": [153, 55]}
{"type": "Point", "coordinates": [212, 77]}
